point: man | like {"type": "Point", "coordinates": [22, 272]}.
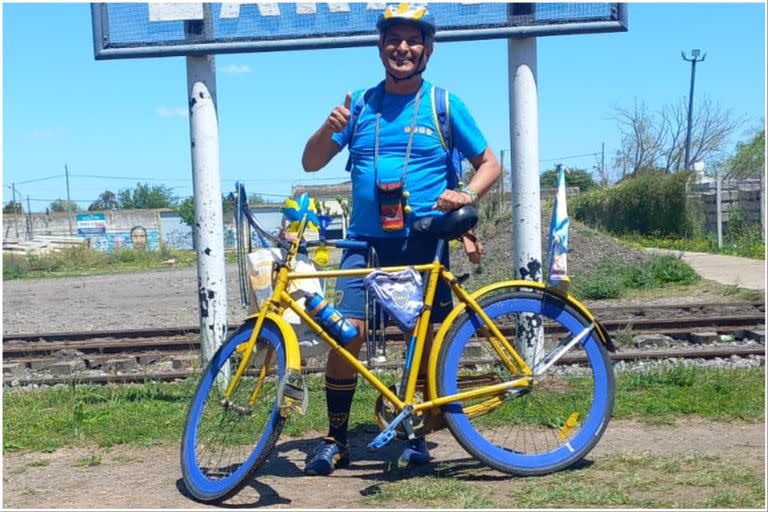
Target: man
{"type": "Point", "coordinates": [394, 148]}
{"type": "Point", "coordinates": [139, 237]}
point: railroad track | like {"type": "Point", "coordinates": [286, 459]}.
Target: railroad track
{"type": "Point", "coordinates": [123, 355]}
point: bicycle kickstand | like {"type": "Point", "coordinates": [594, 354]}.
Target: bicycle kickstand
{"type": "Point", "coordinates": [386, 435]}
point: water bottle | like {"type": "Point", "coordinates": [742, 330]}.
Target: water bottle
{"type": "Point", "coordinates": [330, 318]}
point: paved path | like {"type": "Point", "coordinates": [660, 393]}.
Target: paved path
{"type": "Point", "coordinates": [732, 270]}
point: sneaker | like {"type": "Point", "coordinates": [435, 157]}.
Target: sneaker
{"type": "Point", "coordinates": [416, 453]}
{"type": "Point", "coordinates": [329, 455]}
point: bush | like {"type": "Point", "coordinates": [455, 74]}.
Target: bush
{"type": "Point", "coordinates": [14, 267]}
{"type": "Point", "coordinates": [646, 204]}
{"type": "Point", "coordinates": [573, 178]}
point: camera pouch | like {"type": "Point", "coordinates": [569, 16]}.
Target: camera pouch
{"type": "Point", "coordinates": [391, 213]}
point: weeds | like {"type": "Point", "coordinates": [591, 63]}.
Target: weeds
{"type": "Point", "coordinates": [81, 259]}
{"type": "Point", "coordinates": [746, 242]}
{"type": "Point", "coordinates": [612, 280]}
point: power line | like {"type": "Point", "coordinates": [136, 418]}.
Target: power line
{"type": "Point", "coordinates": [566, 157]}
{"type": "Point", "coordinates": [124, 178]}
{"type": "Point", "coordinates": [38, 179]}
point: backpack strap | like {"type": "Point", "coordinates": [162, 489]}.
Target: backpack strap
{"type": "Point", "coordinates": [442, 114]}
{"type": "Point", "coordinates": [357, 109]}
{"type": "Point", "coordinates": [441, 109]}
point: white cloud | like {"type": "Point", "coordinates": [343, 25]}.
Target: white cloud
{"type": "Point", "coordinates": [171, 112]}
{"type": "Point", "coordinates": [233, 68]}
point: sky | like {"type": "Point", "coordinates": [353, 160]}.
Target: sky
{"type": "Point", "coordinates": [117, 123]}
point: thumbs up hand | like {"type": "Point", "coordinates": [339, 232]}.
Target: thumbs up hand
{"type": "Point", "coordinates": [339, 117]}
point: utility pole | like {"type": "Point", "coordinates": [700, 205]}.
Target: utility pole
{"type": "Point", "coordinates": [69, 207]}
{"type": "Point", "coordinates": [501, 182]}
{"type": "Point", "coordinates": [16, 220]}
{"type": "Point", "coordinates": [602, 161]}
{"type": "Point", "coordinates": [29, 220]}
{"type": "Point", "coordinates": [693, 60]}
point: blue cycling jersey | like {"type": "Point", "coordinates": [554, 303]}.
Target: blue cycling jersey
{"type": "Point", "coordinates": [426, 177]}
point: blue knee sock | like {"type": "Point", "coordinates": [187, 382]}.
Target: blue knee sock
{"type": "Point", "coordinates": [338, 396]}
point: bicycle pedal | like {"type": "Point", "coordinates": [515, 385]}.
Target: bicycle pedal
{"type": "Point", "coordinates": [381, 440]}
{"type": "Point", "coordinates": [462, 278]}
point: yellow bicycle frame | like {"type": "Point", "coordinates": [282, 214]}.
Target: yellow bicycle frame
{"type": "Point", "coordinates": [281, 299]}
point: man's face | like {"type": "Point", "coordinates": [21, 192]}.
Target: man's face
{"type": "Point", "coordinates": [139, 238]}
{"type": "Point", "coordinates": [401, 50]}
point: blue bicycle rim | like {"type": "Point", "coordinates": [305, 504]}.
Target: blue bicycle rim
{"type": "Point", "coordinates": [595, 418]}
{"type": "Point", "coordinates": [197, 479]}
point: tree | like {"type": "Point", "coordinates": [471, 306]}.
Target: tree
{"type": "Point", "coordinates": [12, 207]}
{"type": "Point", "coordinates": [186, 209]}
{"type": "Point", "coordinates": [573, 178]}
{"type": "Point", "coordinates": [107, 201]}
{"type": "Point", "coordinates": [749, 159]}
{"type": "Point", "coordinates": [62, 205]}
{"type": "Point", "coordinates": [256, 199]}
{"type": "Point", "coordinates": [652, 141]}
{"type": "Point", "coordinates": [144, 197]}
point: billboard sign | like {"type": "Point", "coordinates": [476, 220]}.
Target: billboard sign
{"type": "Point", "coordinates": [91, 224]}
{"type": "Point", "coordinates": [125, 30]}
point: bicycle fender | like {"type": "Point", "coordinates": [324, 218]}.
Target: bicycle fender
{"type": "Point", "coordinates": [292, 394]}
{"type": "Point", "coordinates": [602, 333]}
{"type": "Point", "coordinates": [291, 342]}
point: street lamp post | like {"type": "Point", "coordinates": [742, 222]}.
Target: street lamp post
{"type": "Point", "coordinates": [693, 60]}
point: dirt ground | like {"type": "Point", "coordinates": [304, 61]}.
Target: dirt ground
{"type": "Point", "coordinates": [150, 477]}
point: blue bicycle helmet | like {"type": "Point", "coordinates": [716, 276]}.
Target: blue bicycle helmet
{"type": "Point", "coordinates": [410, 14]}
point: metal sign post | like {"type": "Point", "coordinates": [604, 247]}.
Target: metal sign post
{"type": "Point", "coordinates": [526, 203]}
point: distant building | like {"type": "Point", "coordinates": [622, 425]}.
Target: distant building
{"type": "Point", "coordinates": [329, 197]}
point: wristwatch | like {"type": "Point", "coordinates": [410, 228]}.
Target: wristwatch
{"type": "Point", "coordinates": [471, 193]}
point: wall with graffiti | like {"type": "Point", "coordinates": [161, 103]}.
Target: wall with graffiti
{"type": "Point", "coordinates": [134, 229]}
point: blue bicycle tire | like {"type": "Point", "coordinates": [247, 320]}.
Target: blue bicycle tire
{"type": "Point", "coordinates": [205, 483]}
{"type": "Point", "coordinates": [485, 443]}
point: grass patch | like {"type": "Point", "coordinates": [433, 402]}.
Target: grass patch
{"type": "Point", "coordinates": [47, 419]}
{"type": "Point", "coordinates": [87, 461]}
{"type": "Point", "coordinates": [433, 492]}
{"type": "Point", "coordinates": [83, 260]}
{"type": "Point", "coordinates": [620, 480]}
{"type": "Point", "coordinates": [662, 395]}
{"type": "Point", "coordinates": [747, 243]}
{"type": "Point", "coordinates": [612, 280]}
{"type": "Point", "coordinates": [44, 420]}
{"type": "Point", "coordinates": [636, 480]}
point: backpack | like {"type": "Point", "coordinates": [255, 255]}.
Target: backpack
{"type": "Point", "coordinates": [442, 113]}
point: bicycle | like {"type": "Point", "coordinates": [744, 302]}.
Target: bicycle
{"type": "Point", "coordinates": [518, 416]}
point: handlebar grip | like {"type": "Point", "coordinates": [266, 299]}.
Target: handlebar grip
{"type": "Point", "coordinates": [358, 245]}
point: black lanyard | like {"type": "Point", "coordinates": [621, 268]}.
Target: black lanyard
{"type": "Point", "coordinates": [410, 137]}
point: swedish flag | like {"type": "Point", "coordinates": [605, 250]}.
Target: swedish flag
{"type": "Point", "coordinates": [557, 254]}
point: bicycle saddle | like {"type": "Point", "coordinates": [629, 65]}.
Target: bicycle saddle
{"type": "Point", "coordinates": [451, 225]}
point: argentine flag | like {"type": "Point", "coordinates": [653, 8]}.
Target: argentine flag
{"type": "Point", "coordinates": [557, 276]}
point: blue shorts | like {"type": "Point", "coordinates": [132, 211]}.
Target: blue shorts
{"type": "Point", "coordinates": [350, 291]}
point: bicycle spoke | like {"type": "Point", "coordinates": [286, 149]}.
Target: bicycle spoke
{"type": "Point", "coordinates": [227, 438]}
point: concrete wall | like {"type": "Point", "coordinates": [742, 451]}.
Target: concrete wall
{"type": "Point", "coordinates": [106, 231]}
{"type": "Point", "coordinates": [111, 230]}
{"type": "Point", "coordinates": [743, 194]}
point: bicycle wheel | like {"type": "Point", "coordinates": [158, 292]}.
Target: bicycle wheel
{"type": "Point", "coordinates": [218, 452]}
{"type": "Point", "coordinates": [541, 428]}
